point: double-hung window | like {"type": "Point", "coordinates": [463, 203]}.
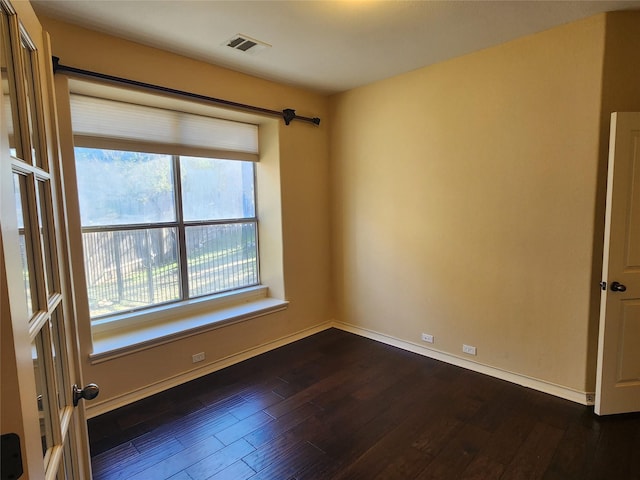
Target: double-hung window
{"type": "Point", "coordinates": [167, 204]}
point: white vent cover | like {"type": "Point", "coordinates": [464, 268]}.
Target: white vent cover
{"type": "Point", "coordinates": [246, 44]}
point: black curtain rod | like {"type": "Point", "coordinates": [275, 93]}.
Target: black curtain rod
{"type": "Point", "coordinates": [288, 114]}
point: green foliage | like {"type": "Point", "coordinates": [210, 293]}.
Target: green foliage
{"type": "Point", "coordinates": [118, 187]}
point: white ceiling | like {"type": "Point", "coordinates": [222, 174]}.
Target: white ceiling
{"type": "Point", "coordinates": [324, 45]}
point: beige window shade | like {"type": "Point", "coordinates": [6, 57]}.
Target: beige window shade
{"type": "Point", "coordinates": [112, 124]}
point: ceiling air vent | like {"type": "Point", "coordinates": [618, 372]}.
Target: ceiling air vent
{"type": "Point", "coordinates": [246, 44]}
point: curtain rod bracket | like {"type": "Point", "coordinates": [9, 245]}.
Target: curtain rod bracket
{"type": "Point", "coordinates": [288, 114]}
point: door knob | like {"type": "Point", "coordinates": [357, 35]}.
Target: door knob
{"type": "Point", "coordinates": [89, 392]}
{"type": "Point", "coordinates": [617, 287]}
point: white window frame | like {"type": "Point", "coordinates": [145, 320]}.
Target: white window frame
{"type": "Point", "coordinates": [180, 225]}
{"type": "Point", "coordinates": [116, 336]}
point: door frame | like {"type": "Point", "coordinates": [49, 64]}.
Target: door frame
{"type": "Point", "coordinates": [620, 263]}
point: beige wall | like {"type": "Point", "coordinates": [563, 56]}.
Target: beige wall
{"type": "Point", "coordinates": [303, 170]}
{"type": "Point", "coordinates": [464, 203]}
{"type": "Point", "coordinates": [466, 199]}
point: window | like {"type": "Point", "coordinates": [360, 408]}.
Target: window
{"type": "Point", "coordinates": [167, 204]}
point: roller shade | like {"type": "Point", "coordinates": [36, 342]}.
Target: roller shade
{"type": "Point", "coordinates": [103, 123]}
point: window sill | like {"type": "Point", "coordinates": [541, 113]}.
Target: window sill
{"type": "Point", "coordinates": [115, 337]}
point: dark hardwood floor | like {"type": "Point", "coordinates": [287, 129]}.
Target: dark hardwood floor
{"type": "Point", "coordinates": [339, 406]}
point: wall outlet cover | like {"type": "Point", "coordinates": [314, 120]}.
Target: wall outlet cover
{"type": "Point", "coordinates": [427, 338]}
{"type": "Point", "coordinates": [197, 357]}
{"type": "Point", "coordinates": [471, 350]}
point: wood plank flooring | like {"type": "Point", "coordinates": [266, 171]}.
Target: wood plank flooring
{"type": "Point", "coordinates": [336, 406]}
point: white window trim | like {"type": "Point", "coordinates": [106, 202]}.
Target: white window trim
{"type": "Point", "coordinates": [179, 322]}
{"type": "Point", "coordinates": [120, 335]}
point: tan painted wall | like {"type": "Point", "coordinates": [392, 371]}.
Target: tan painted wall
{"type": "Point", "coordinates": [304, 197]}
{"type": "Point", "coordinates": [464, 203]}
{"type": "Point", "coordinates": [466, 199]}
{"type": "Point", "coordinates": [621, 68]}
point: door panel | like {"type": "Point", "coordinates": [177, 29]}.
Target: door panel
{"type": "Point", "coordinates": [629, 353]}
{"type": "Point", "coordinates": [618, 374]}
{"type": "Point", "coordinates": [53, 433]}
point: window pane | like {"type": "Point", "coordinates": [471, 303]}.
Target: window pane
{"type": "Point", "coordinates": [26, 248]}
{"type": "Point", "coordinates": [215, 189]}
{"type": "Point", "coordinates": [10, 108]}
{"type": "Point", "coordinates": [30, 65]}
{"type": "Point", "coordinates": [67, 466]}
{"type": "Point", "coordinates": [44, 412]}
{"type": "Point", "coordinates": [59, 352]}
{"type": "Point", "coordinates": [119, 188]}
{"type": "Point", "coordinates": [221, 257]}
{"type": "Point", "coordinates": [129, 269]}
{"type": "Point", "coordinates": [46, 236]}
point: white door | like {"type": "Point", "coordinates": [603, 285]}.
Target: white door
{"type": "Point", "coordinates": [39, 356]}
{"type": "Point", "coordinates": [618, 374]}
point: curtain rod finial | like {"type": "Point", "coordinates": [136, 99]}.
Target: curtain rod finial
{"type": "Point", "coordinates": [56, 61]}
{"type": "Point", "coordinates": [288, 114]}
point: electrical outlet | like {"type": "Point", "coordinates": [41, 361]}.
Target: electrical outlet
{"type": "Point", "coordinates": [469, 349]}
{"type": "Point", "coordinates": [197, 357]}
{"type": "Point", "coordinates": [427, 338]}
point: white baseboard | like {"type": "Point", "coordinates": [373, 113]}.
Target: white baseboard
{"type": "Point", "coordinates": [584, 398]}
{"type": "Point", "coordinates": [98, 408]}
